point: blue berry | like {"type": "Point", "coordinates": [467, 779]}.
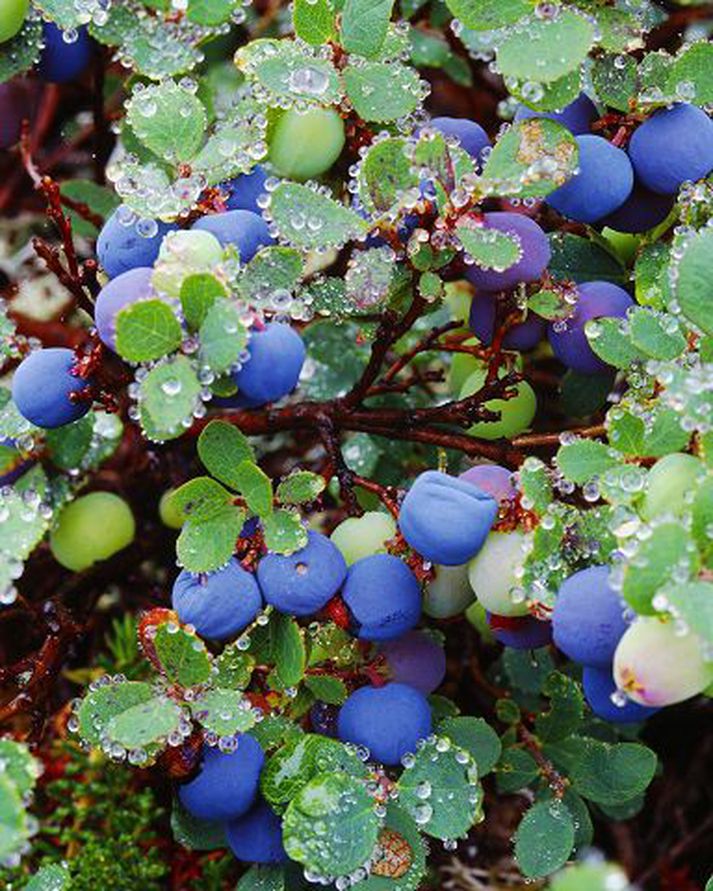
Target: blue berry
{"type": "Point", "coordinates": [243, 191]}
{"type": "Point", "coordinates": [602, 184]}
{"type": "Point", "coordinates": [43, 385]}
{"type": "Point", "coordinates": [588, 617]}
{"type": "Point", "coordinates": [388, 720]}
{"type": "Point", "coordinates": [277, 353]}
{"type": "Point", "coordinates": [446, 519]}
{"type": "Point", "coordinates": [520, 632]}
{"type": "Point", "coordinates": [122, 247]}
{"type": "Point", "coordinates": [323, 718]}
{"type": "Point", "coordinates": [243, 229]}
{"type": "Point", "coordinates": [576, 117]}
{"type": "Point", "coordinates": [383, 596]}
{"type": "Point", "coordinates": [522, 336]}
{"type": "Point", "coordinates": [227, 784]}
{"type": "Point", "coordinates": [598, 684]}
{"type": "Point", "coordinates": [127, 288]}
{"type": "Point", "coordinates": [534, 253]}
{"type": "Point", "coordinates": [300, 584]}
{"type": "Point", "coordinates": [641, 211]}
{"type": "Point", "coordinates": [569, 340]}
{"type": "Point", "coordinates": [674, 145]}
{"type": "Point", "coordinates": [256, 837]}
{"type": "Point", "coordinates": [62, 60]}
{"type": "Point", "coordinates": [417, 660]}
{"type": "Point", "coordinates": [473, 139]}
{"type": "Point", "coordinates": [218, 604]}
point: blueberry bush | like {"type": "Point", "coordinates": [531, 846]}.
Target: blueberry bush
{"type": "Point", "coordinates": [356, 444]}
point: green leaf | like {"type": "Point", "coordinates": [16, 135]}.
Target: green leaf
{"type": "Point", "coordinates": [168, 119]}
{"type": "Point", "coordinates": [284, 532]}
{"type": "Point", "coordinates": [198, 294]}
{"type": "Point", "coordinates": [301, 759]}
{"type": "Point", "coordinates": [515, 770]}
{"type": "Point", "coordinates": [702, 517]}
{"type": "Point", "coordinates": [693, 602]}
{"type": "Point", "coordinates": [545, 49]}
{"type": "Point", "coordinates": [327, 689]}
{"type": "Point", "coordinates": [477, 737]}
{"type": "Point", "coordinates": [146, 724]}
{"type": "Point", "coordinates": [364, 24]}
{"type": "Point", "coordinates": [68, 445]}
{"type": "Point", "coordinates": [223, 712]}
{"type": "Point", "coordinates": [584, 459]}
{"type": "Point", "coordinates": [274, 731]}
{"type": "Point", "coordinates": [625, 431]}
{"type": "Point", "coordinates": [168, 396]}
{"type": "Point", "coordinates": [531, 159]}
{"type": "Point", "coordinates": [147, 330]}
{"type": "Point", "coordinates": [487, 15]}
{"type": "Point", "coordinates": [223, 336]}
{"type": "Point", "coordinates": [544, 839]}
{"type": "Point", "coordinates": [489, 248]}
{"type": "Point", "coordinates": [13, 823]}
{"type": "Point", "coordinates": [620, 30]}
{"type": "Point", "coordinates": [200, 498]}
{"type": "Point", "coordinates": [19, 766]}
{"type": "Point", "coordinates": [609, 339]}
{"type": "Point", "coordinates": [441, 790]}
{"type": "Point", "coordinates": [299, 487]}
{"type": "Point", "coordinates": [52, 877]}
{"type": "Point", "coordinates": [288, 649]}
{"type": "Point", "coordinates": [566, 708]}
{"type": "Point", "coordinates": [236, 142]}
{"type": "Point", "coordinates": [659, 560]}
{"type": "Point", "coordinates": [612, 774]}
{"type": "Point", "coordinates": [234, 668]}
{"type": "Point", "coordinates": [653, 287]}
{"type": "Point", "coordinates": [21, 528]}
{"type": "Point", "coordinates": [211, 12]}
{"type": "Point", "coordinates": [382, 91]}
{"type": "Point", "coordinates": [330, 826]}
{"type": "Point", "coordinates": [182, 655]}
{"type": "Point", "coordinates": [207, 544]}
{"type": "Point", "coordinates": [692, 70]}
{"type": "Point", "coordinates": [399, 822]}
{"type": "Point", "coordinates": [664, 434]}
{"type": "Point", "coordinates": [313, 21]}
{"type": "Point", "coordinates": [694, 283]}
{"type": "Point", "coordinates": [221, 448]}
{"type": "Point", "coordinates": [196, 834]}
{"type": "Point", "coordinates": [289, 72]}
{"type": "Point", "coordinates": [99, 199]}
{"type": "Point", "coordinates": [255, 486]}
{"type": "Point", "coordinates": [329, 224]}
{"type": "Point", "coordinates": [385, 174]}
{"type": "Point", "coordinates": [271, 270]}
{"type": "Point", "coordinates": [528, 670]}
{"type": "Point", "coordinates": [535, 484]}
{"type": "Point", "coordinates": [614, 79]}
{"type": "Point", "coordinates": [551, 96]}
{"type": "Point", "coordinates": [658, 335]}
{"type": "Point", "coordinates": [583, 260]}
{"type": "Point", "coordinates": [550, 304]}
{"type": "Point", "coordinates": [22, 51]}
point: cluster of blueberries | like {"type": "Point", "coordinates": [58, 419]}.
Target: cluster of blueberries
{"type": "Point", "coordinates": [46, 388]}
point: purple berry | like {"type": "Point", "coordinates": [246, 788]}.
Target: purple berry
{"type": "Point", "coordinates": [122, 247]}
{"type": "Point", "coordinates": [277, 353]}
{"type": "Point", "coordinates": [588, 618]}
{"type": "Point", "coordinates": [300, 584]}
{"type": "Point", "coordinates": [62, 60]}
{"type": "Point", "coordinates": [323, 718]}
{"type": "Point", "coordinates": [227, 784]}
{"type": "Point", "coordinates": [446, 519]}
{"type": "Point", "coordinates": [244, 190]}
{"type": "Point", "coordinates": [534, 253]}
{"type": "Point", "coordinates": [641, 211]}
{"type": "Point", "coordinates": [673, 146]}
{"type": "Point", "coordinates": [256, 837]}
{"type": "Point", "coordinates": [417, 660]}
{"type": "Point", "coordinates": [576, 117]}
{"type": "Point", "coordinates": [43, 386]}
{"type": "Point", "coordinates": [602, 184]}
{"type": "Point", "coordinates": [389, 721]}
{"type": "Point", "coordinates": [492, 479]}
{"type": "Point", "coordinates": [218, 604]}
{"type": "Point", "coordinates": [242, 229]}
{"type": "Point", "coordinates": [599, 686]}
{"type": "Point", "coordinates": [383, 597]}
{"type": "Point", "coordinates": [522, 336]}
{"type": "Point", "coordinates": [570, 344]}
{"type": "Point", "coordinates": [127, 288]}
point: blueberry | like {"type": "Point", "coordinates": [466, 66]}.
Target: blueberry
{"type": "Point", "coordinates": [522, 336]}
{"type": "Point", "coordinates": [243, 229]}
{"type": "Point", "coordinates": [588, 617]}
{"type": "Point", "coordinates": [62, 60]}
{"type": "Point", "coordinates": [42, 387]}
{"type": "Point", "coordinates": [492, 479]}
{"type": "Point", "coordinates": [576, 117]}
{"type": "Point", "coordinates": [599, 686]}
{"type": "Point", "coordinates": [227, 784]}
{"type": "Point", "coordinates": [127, 288]}
{"type": "Point", "coordinates": [122, 247]}
{"type": "Point", "coordinates": [473, 139]}
{"type": "Point", "coordinates": [674, 145]}
{"type": "Point", "coordinates": [602, 184]}
{"type": "Point", "coordinates": [243, 191]}
{"type": "Point", "coordinates": [300, 584]}
{"type": "Point", "coordinates": [218, 604]}
{"type": "Point", "coordinates": [417, 660]}
{"type": "Point", "coordinates": [534, 253]}
{"type": "Point", "coordinates": [256, 837]}
{"type": "Point", "coordinates": [641, 211]}
{"type": "Point", "coordinates": [570, 345]}
{"type": "Point", "coordinates": [323, 718]}
{"type": "Point", "coordinates": [446, 519]}
{"type": "Point", "coordinates": [520, 632]}
{"type": "Point", "coordinates": [383, 596]}
{"type": "Point", "coordinates": [277, 354]}
{"type": "Point", "coordinates": [388, 720]}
